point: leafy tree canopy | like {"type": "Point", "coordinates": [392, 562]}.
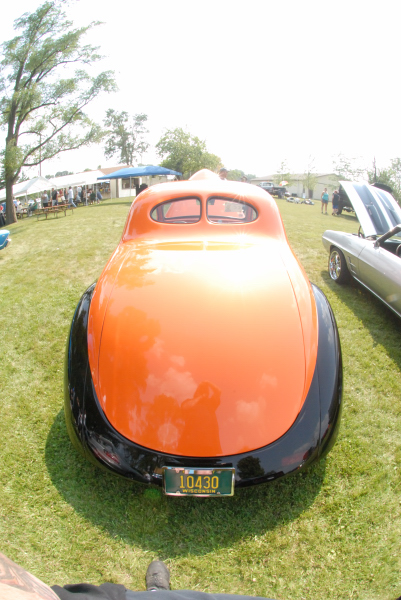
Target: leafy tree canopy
{"type": "Point", "coordinates": [390, 176]}
{"type": "Point", "coordinates": [347, 168]}
{"type": "Point", "coordinates": [125, 136]}
{"type": "Point", "coordinates": [185, 153]}
{"type": "Point", "coordinates": [235, 175]}
{"type": "Point", "coordinates": [62, 173]}
{"type": "Point", "coordinates": [43, 99]}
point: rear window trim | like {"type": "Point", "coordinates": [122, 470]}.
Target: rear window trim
{"type": "Point", "coordinates": [176, 221]}
{"type": "Point", "coordinates": [231, 199]}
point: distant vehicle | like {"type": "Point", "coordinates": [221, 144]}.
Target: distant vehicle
{"type": "Point", "coordinates": [373, 255]}
{"type": "Point", "coordinates": [266, 185]}
{"type": "Point", "coordinates": [273, 189]}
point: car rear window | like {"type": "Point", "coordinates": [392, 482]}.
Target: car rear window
{"type": "Point", "coordinates": [184, 210]}
{"type": "Point", "coordinates": [227, 210]}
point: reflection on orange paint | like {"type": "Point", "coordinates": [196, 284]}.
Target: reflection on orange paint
{"type": "Point", "coordinates": [203, 337]}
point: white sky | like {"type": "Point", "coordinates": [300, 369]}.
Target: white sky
{"type": "Point", "coordinates": [260, 81]}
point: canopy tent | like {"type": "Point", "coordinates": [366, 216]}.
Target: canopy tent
{"type": "Point", "coordinates": [39, 184]}
{"type": "Point", "coordinates": [84, 178]}
{"type": "Point", "coordinates": [139, 172]}
{"type": "Point", "coordinates": [31, 186]}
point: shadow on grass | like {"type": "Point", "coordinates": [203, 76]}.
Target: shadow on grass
{"type": "Point", "coordinates": [109, 203]}
{"type": "Point", "coordinates": [142, 516]}
{"type": "Point", "coordinates": [348, 217]}
{"type": "Point", "coordinates": [376, 317]}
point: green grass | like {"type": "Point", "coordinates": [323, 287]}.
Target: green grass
{"type": "Point", "coordinates": [332, 532]}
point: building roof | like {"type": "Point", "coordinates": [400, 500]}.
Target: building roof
{"type": "Point", "coordinates": [293, 176]}
{"type": "Point", "coordinates": [108, 170]}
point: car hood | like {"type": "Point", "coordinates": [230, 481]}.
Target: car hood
{"type": "Point", "coordinates": [201, 349]}
{"type": "Point", "coordinates": [376, 209]}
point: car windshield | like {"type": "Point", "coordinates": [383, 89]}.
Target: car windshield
{"type": "Point", "coordinates": [184, 210]}
{"type": "Point", "coordinates": [226, 210]}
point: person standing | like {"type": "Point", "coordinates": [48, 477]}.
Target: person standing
{"type": "Point", "coordinates": [2, 217]}
{"type": "Point", "coordinates": [325, 201]}
{"type": "Point", "coordinates": [335, 200]}
{"type": "Point", "coordinates": [71, 197]}
{"type": "Point", "coordinates": [223, 173]}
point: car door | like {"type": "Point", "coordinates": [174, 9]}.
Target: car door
{"type": "Point", "coordinates": [380, 271]}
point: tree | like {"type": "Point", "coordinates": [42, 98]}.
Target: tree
{"type": "Point", "coordinates": [235, 175]}
{"type": "Point", "coordinates": [283, 173]}
{"type": "Point", "coordinates": [390, 176]}
{"type": "Point", "coordinates": [310, 179]}
{"type": "Point", "coordinates": [125, 136]}
{"type": "Point", "coordinates": [346, 168]}
{"type": "Point", "coordinates": [63, 173]}
{"type": "Point", "coordinates": [185, 153]}
{"type": "Point", "coordinates": [43, 112]}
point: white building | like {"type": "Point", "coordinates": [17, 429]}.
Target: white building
{"type": "Point", "coordinates": [298, 184]}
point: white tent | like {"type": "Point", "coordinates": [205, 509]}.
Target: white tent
{"type": "Point", "coordinates": [85, 178]}
{"type": "Point", "coordinates": [38, 184]}
{"type": "Point", "coordinates": [31, 186]}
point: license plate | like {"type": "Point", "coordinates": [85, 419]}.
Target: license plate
{"type": "Point", "coordinates": [198, 482]}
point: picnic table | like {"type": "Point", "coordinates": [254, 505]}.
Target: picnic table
{"type": "Point", "coordinates": [21, 213]}
{"type": "Point", "coordinates": [54, 210]}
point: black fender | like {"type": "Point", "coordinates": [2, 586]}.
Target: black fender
{"type": "Point", "coordinates": [309, 438]}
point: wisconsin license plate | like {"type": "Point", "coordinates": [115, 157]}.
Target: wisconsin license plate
{"type": "Point", "coordinates": [198, 482]}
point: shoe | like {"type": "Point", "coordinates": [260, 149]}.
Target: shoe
{"type": "Point", "coordinates": [157, 576]}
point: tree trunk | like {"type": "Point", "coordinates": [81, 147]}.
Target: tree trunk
{"type": "Point", "coordinates": [11, 216]}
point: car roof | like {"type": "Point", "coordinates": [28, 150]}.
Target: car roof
{"type": "Point", "coordinates": [140, 224]}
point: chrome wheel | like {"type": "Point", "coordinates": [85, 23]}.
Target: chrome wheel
{"type": "Point", "coordinates": [334, 265]}
{"type": "Point", "coordinates": [338, 269]}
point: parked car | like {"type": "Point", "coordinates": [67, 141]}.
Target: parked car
{"type": "Point", "coordinates": [4, 238]}
{"type": "Point", "coordinates": [203, 359]}
{"type": "Point", "coordinates": [273, 189]}
{"type": "Point", "coordinates": [371, 255]}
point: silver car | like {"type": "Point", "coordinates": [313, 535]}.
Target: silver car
{"type": "Point", "coordinates": [372, 255]}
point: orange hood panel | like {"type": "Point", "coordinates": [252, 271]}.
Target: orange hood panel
{"type": "Point", "coordinates": [198, 349]}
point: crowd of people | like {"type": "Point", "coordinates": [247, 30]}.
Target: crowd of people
{"type": "Point", "coordinates": [82, 195]}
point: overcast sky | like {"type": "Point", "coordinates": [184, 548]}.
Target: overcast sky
{"type": "Point", "coordinates": [261, 81]}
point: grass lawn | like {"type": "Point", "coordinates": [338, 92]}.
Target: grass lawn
{"type": "Point", "coordinates": [332, 532]}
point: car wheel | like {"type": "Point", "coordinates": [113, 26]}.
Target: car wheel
{"type": "Point", "coordinates": [338, 269]}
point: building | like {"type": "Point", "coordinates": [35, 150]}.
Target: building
{"type": "Point", "coordinates": [298, 183]}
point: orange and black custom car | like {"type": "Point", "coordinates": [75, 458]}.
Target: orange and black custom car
{"type": "Point", "coordinates": [203, 359]}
